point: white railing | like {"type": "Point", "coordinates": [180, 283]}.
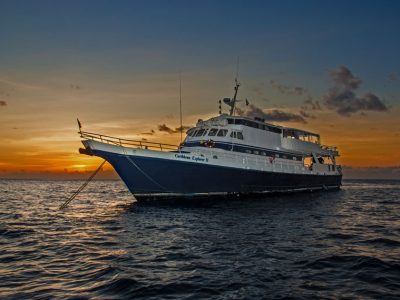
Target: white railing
{"type": "Point", "coordinates": [127, 143]}
{"type": "Point", "coordinates": [331, 148]}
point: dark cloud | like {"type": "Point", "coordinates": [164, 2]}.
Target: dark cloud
{"type": "Point", "coordinates": [342, 76]}
{"type": "Point", "coordinates": [343, 99]}
{"type": "Point", "coordinates": [306, 115]}
{"type": "Point", "coordinates": [287, 90]}
{"type": "Point", "coordinates": [253, 111]}
{"type": "Point", "coordinates": [183, 128]}
{"type": "Point", "coordinates": [148, 133]}
{"type": "Point", "coordinates": [312, 105]}
{"type": "Point", "coordinates": [3, 103]}
{"type": "Point", "coordinates": [165, 128]}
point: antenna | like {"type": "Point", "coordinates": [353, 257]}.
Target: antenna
{"type": "Point", "coordinates": [237, 68]}
{"type": "Point", "coordinates": [237, 84]}
{"type": "Point", "coordinates": [180, 102]}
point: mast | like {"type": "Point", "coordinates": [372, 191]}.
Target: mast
{"type": "Point", "coordinates": [233, 103]}
{"type": "Point", "coordinates": [237, 84]}
{"type": "Point", "coordinates": [180, 103]}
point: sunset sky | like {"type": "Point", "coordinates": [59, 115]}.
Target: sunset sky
{"type": "Point", "coordinates": [331, 67]}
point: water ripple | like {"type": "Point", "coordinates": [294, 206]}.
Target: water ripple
{"type": "Point", "coordinates": [343, 244]}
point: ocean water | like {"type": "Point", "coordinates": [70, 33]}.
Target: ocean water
{"type": "Point", "coordinates": [325, 245]}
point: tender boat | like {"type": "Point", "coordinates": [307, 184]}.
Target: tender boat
{"type": "Point", "coordinates": [224, 155]}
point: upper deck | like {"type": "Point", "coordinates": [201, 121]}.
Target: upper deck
{"type": "Point", "coordinates": [255, 133]}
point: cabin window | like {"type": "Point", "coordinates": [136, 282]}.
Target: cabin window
{"type": "Point", "coordinates": [205, 132]}
{"type": "Point", "coordinates": [222, 132]}
{"type": "Point", "coordinates": [248, 151]}
{"type": "Point", "coordinates": [256, 152]}
{"type": "Point", "coordinates": [213, 132]}
{"type": "Point", "coordinates": [263, 153]}
{"type": "Point", "coordinates": [236, 135]}
{"type": "Point", "coordinates": [191, 131]}
{"type": "Point", "coordinates": [200, 132]}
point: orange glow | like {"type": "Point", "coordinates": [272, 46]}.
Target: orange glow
{"type": "Point", "coordinates": [42, 138]}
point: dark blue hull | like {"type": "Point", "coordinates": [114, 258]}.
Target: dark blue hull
{"type": "Point", "coordinates": [149, 178]}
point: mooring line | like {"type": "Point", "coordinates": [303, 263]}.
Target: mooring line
{"type": "Point", "coordinates": [65, 204]}
{"type": "Point", "coordinates": [144, 173]}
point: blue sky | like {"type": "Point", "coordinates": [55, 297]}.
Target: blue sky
{"type": "Point", "coordinates": [129, 36]}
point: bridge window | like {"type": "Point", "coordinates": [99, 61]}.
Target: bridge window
{"type": "Point", "coordinates": [222, 132]}
{"type": "Point", "coordinates": [200, 132]}
{"type": "Point", "coordinates": [213, 132]}
{"type": "Point", "coordinates": [191, 131]}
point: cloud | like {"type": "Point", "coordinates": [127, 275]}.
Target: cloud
{"type": "Point", "coordinates": [183, 128]}
{"type": "Point", "coordinates": [287, 90]}
{"type": "Point", "coordinates": [342, 76]}
{"type": "Point", "coordinates": [165, 128]}
{"type": "Point", "coordinates": [149, 133]}
{"type": "Point", "coordinates": [3, 103]}
{"type": "Point", "coordinates": [253, 111]}
{"type": "Point", "coordinates": [306, 115]}
{"type": "Point", "coordinates": [313, 105]}
{"type": "Point", "coordinates": [343, 99]}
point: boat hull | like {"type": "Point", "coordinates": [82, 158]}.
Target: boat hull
{"type": "Point", "coordinates": [152, 178]}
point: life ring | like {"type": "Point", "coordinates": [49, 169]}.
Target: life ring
{"type": "Point", "coordinates": [209, 143]}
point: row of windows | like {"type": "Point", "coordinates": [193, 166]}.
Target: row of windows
{"type": "Point", "coordinates": [276, 155]}
{"type": "Point", "coordinates": [240, 148]}
{"type": "Point", "coordinates": [255, 125]}
{"type": "Point", "coordinates": [214, 132]}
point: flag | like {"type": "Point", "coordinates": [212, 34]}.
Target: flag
{"type": "Point", "coordinates": [79, 124]}
{"type": "Point", "coordinates": [247, 102]}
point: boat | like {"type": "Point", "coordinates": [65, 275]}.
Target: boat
{"type": "Point", "coordinates": [225, 155]}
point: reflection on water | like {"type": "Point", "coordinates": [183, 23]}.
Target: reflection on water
{"type": "Point", "coordinates": [323, 245]}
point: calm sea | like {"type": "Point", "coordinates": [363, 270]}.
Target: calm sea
{"type": "Point", "coordinates": [326, 245]}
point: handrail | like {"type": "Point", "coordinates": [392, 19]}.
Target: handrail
{"type": "Point", "coordinates": [125, 142]}
{"type": "Point", "coordinates": [331, 148]}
